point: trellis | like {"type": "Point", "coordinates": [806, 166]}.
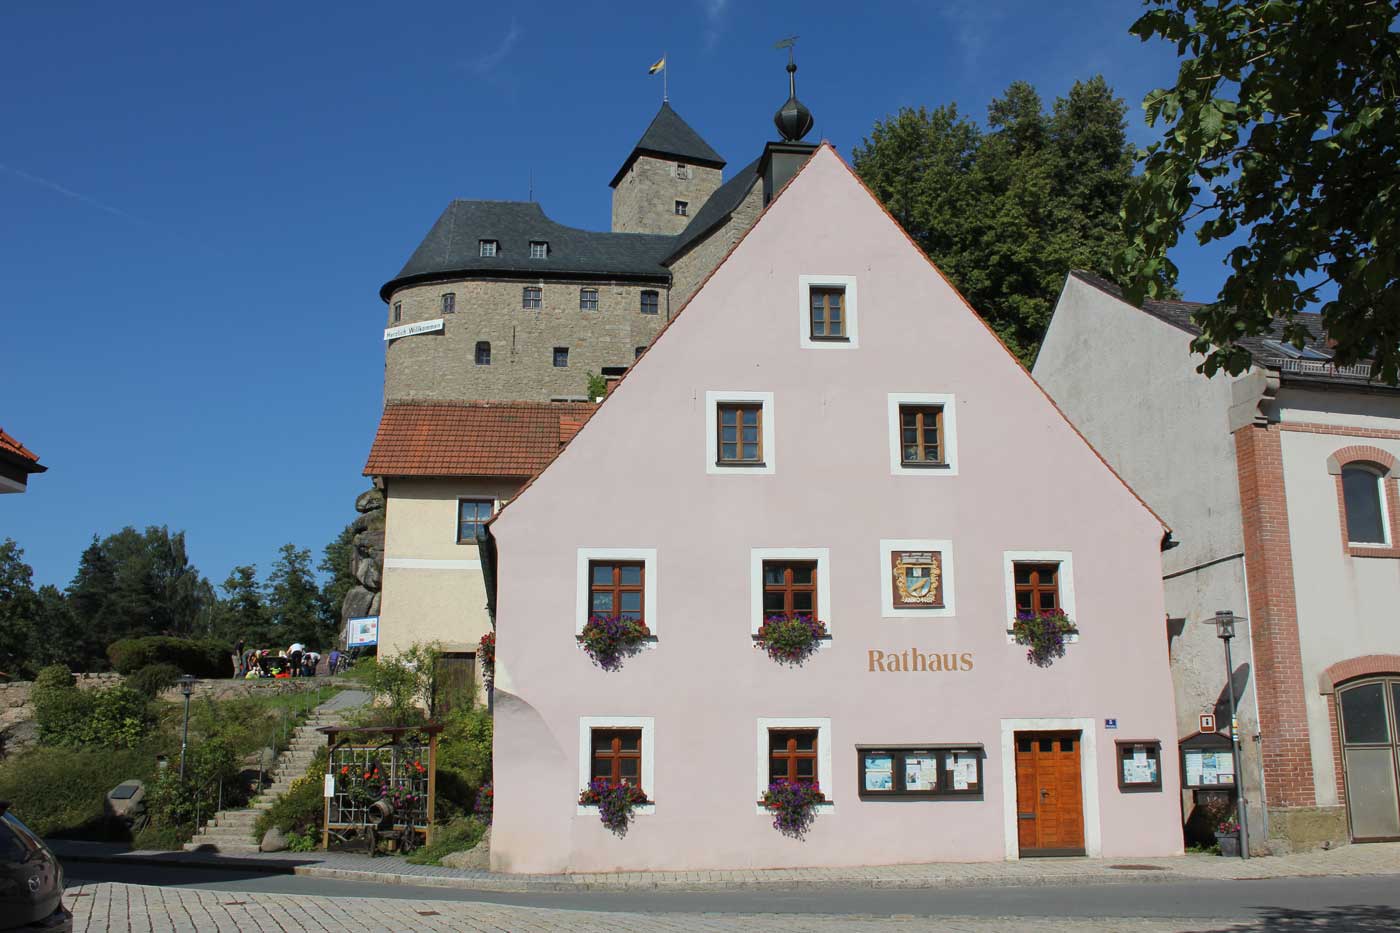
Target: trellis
{"type": "Point", "coordinates": [394, 750]}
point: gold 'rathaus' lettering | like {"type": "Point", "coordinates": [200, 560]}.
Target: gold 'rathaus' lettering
{"type": "Point", "coordinates": [912, 661]}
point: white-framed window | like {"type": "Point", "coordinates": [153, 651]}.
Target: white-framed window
{"type": "Point", "coordinates": [765, 584]}
{"type": "Point", "coordinates": [764, 756]}
{"type": "Point", "coordinates": [767, 461]}
{"type": "Point", "coordinates": [449, 302]}
{"type": "Point", "coordinates": [1027, 571]}
{"type": "Point", "coordinates": [590, 559]}
{"type": "Point", "coordinates": [916, 561]}
{"type": "Point", "coordinates": [839, 290]}
{"type": "Point", "coordinates": [539, 249]}
{"type": "Point", "coordinates": [588, 299]}
{"type": "Point", "coordinates": [923, 403]}
{"type": "Point", "coordinates": [646, 725]}
{"type": "Point", "coordinates": [487, 247]}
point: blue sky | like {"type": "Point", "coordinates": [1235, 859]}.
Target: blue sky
{"type": "Point", "coordinates": [198, 203]}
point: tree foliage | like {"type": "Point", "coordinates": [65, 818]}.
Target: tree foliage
{"type": "Point", "coordinates": [242, 611]}
{"type": "Point", "coordinates": [293, 599]}
{"type": "Point", "coordinates": [337, 564]}
{"type": "Point", "coordinates": [1281, 130]}
{"type": "Point", "coordinates": [1008, 210]}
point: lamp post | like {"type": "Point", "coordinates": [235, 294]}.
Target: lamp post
{"type": "Point", "coordinates": [186, 687]}
{"type": "Point", "coordinates": [1225, 630]}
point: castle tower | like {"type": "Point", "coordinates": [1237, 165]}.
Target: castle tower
{"type": "Point", "coordinates": [667, 178]}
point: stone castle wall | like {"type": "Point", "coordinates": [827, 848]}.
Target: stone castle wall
{"type": "Point", "coordinates": [690, 270]}
{"type": "Point", "coordinates": [644, 200]}
{"type": "Point", "coordinates": [442, 365]}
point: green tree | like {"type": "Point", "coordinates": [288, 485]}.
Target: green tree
{"type": "Point", "coordinates": [242, 612]}
{"type": "Point", "coordinates": [1008, 210]}
{"type": "Point", "coordinates": [19, 610]}
{"type": "Point", "coordinates": [293, 598]}
{"type": "Point", "coordinates": [336, 563]}
{"type": "Point", "coordinates": [135, 583]}
{"type": "Point", "coordinates": [1281, 131]}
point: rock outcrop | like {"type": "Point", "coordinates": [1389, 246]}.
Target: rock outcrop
{"type": "Point", "coordinates": [367, 558]}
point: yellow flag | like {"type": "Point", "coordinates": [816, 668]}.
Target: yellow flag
{"type": "Point", "coordinates": [659, 66]}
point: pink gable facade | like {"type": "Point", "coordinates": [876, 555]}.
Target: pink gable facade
{"type": "Point", "coordinates": [640, 483]}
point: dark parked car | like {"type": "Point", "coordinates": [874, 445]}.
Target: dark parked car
{"type": "Point", "coordinates": [31, 880]}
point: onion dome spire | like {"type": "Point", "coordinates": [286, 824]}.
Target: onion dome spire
{"type": "Point", "coordinates": [793, 119]}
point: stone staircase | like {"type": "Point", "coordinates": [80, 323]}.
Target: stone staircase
{"type": "Point", "coordinates": [231, 831]}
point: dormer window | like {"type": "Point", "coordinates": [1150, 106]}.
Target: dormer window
{"type": "Point", "coordinates": [488, 247]}
{"type": "Point", "coordinates": [682, 208]}
{"type": "Point", "coordinates": [539, 249]}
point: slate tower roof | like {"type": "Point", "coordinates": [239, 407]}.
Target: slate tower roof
{"type": "Point", "coordinates": [670, 137]}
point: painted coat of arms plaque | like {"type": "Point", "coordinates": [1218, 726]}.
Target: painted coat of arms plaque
{"type": "Point", "coordinates": [918, 579]}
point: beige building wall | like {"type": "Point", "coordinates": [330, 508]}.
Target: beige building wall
{"type": "Point", "coordinates": [690, 270]}
{"type": "Point", "coordinates": [1346, 605]}
{"type": "Point", "coordinates": [433, 588]}
{"type": "Point", "coordinates": [644, 200]}
{"type": "Point", "coordinates": [442, 364]}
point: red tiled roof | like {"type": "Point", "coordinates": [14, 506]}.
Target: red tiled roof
{"type": "Point", "coordinates": [472, 438]}
{"type": "Point", "coordinates": [8, 445]}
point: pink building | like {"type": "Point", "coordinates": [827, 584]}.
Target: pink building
{"type": "Point", "coordinates": [829, 428]}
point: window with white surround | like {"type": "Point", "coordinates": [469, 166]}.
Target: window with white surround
{"type": "Point", "coordinates": [802, 728]}
{"type": "Point", "coordinates": [765, 563]}
{"type": "Point", "coordinates": [622, 728]}
{"type": "Point", "coordinates": [1025, 575]}
{"type": "Point", "coordinates": [738, 410]}
{"type": "Point", "coordinates": [539, 249]}
{"type": "Point", "coordinates": [916, 577]}
{"type": "Point", "coordinates": [449, 302]}
{"type": "Point", "coordinates": [592, 559]}
{"type": "Point", "coordinates": [934, 420]}
{"type": "Point", "coordinates": [815, 322]}
{"type": "Point", "coordinates": [487, 247]}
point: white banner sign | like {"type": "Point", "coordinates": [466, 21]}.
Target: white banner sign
{"type": "Point", "coordinates": [362, 631]}
{"type": "Point", "coordinates": [408, 330]}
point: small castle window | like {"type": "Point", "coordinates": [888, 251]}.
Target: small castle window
{"type": "Point", "coordinates": [449, 302]}
{"type": "Point", "coordinates": [561, 356]}
{"type": "Point", "coordinates": [682, 170]}
{"type": "Point", "coordinates": [398, 311]}
{"type": "Point", "coordinates": [531, 298]}
{"type": "Point", "coordinates": [588, 299]}
{"type": "Point", "coordinates": [651, 302]}
{"type": "Point", "coordinates": [483, 353]}
{"type": "Point", "coordinates": [539, 249]}
{"type": "Point", "coordinates": [640, 351]}
{"type": "Point", "coordinates": [488, 247]}
{"type": "Point", "coordinates": [682, 208]}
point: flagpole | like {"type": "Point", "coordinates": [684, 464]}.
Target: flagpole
{"type": "Point", "coordinates": [665, 77]}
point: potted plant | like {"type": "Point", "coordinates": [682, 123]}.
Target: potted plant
{"type": "Point", "coordinates": [615, 803]}
{"type": "Point", "coordinates": [793, 805]}
{"type": "Point", "coordinates": [486, 654]}
{"type": "Point", "coordinates": [1043, 634]}
{"type": "Point", "coordinates": [611, 639]}
{"type": "Point", "coordinates": [1227, 836]}
{"type": "Point", "coordinates": [790, 639]}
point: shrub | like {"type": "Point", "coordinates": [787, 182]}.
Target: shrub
{"type": "Point", "coordinates": [463, 761]}
{"type": "Point", "coordinates": [207, 658]}
{"type": "Point", "coordinates": [61, 791]}
{"type": "Point", "coordinates": [485, 806]}
{"type": "Point", "coordinates": [115, 718]}
{"type": "Point", "coordinates": [403, 684]}
{"type": "Point", "coordinates": [609, 640]}
{"type": "Point", "coordinates": [790, 640]}
{"type": "Point", "coordinates": [459, 835]}
{"type": "Point", "coordinates": [121, 717]}
{"type": "Point", "coordinates": [150, 680]}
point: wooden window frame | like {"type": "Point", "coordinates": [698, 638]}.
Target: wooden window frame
{"type": "Point", "coordinates": [656, 301]}
{"type": "Point", "coordinates": [826, 290]}
{"type": "Point", "coordinates": [616, 754]}
{"type": "Point", "coordinates": [1035, 587]}
{"type": "Point", "coordinates": [1154, 749]}
{"type": "Point", "coordinates": [738, 408]}
{"type": "Point", "coordinates": [921, 414]}
{"type": "Point", "coordinates": [491, 506]}
{"type": "Point", "coordinates": [588, 299]}
{"type": "Point", "coordinates": [900, 753]}
{"type": "Point", "coordinates": [616, 588]}
{"type": "Point", "coordinates": [792, 754]}
{"type": "Point", "coordinates": [476, 353]}
{"type": "Point", "coordinates": [789, 589]}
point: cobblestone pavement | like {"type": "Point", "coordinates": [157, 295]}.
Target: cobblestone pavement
{"type": "Point", "coordinates": [130, 908]}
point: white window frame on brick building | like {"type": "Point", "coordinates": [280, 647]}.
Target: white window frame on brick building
{"type": "Point", "coordinates": [532, 298]}
{"type": "Point", "coordinates": [588, 299]}
{"type": "Point", "coordinates": [449, 302]}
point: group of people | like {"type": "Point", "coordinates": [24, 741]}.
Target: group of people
{"type": "Point", "coordinates": [296, 661]}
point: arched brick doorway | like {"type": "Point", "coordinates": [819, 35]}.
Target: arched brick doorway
{"type": "Point", "coordinates": [1367, 703]}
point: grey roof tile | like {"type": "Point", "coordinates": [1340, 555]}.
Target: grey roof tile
{"type": "Point", "coordinates": [717, 209]}
{"type": "Point", "coordinates": [669, 135]}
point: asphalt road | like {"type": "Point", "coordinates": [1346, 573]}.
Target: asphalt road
{"type": "Point", "coordinates": [1295, 904]}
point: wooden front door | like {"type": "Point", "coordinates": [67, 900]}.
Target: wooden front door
{"type": "Point", "coordinates": [1049, 797]}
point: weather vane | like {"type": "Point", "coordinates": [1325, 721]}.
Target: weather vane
{"type": "Point", "coordinates": [787, 43]}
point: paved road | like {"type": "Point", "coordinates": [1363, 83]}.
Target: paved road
{"type": "Point", "coordinates": [117, 897]}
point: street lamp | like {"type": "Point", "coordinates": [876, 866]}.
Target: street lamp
{"type": "Point", "coordinates": [186, 688]}
{"type": "Point", "coordinates": [1225, 630]}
